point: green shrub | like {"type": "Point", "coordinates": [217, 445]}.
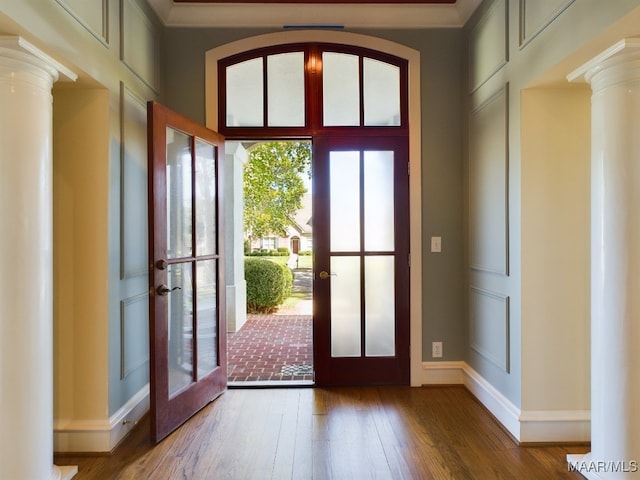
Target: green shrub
{"type": "Point", "coordinates": [283, 251]}
{"type": "Point", "coordinates": [304, 253]}
{"type": "Point", "coordinates": [268, 284]}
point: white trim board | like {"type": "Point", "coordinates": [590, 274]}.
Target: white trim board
{"type": "Point", "coordinates": [99, 436]}
{"type": "Point", "coordinates": [528, 426]}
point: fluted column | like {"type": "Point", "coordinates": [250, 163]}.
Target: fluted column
{"type": "Point", "coordinates": [615, 263]}
{"type": "Point", "coordinates": [26, 266]}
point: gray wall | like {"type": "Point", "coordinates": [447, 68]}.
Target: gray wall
{"type": "Point", "coordinates": [527, 171]}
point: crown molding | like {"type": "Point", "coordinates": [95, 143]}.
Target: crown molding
{"type": "Point", "coordinates": [336, 16]}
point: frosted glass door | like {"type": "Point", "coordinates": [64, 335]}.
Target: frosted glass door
{"type": "Point", "coordinates": [362, 251]}
{"type": "Point", "coordinates": [361, 261]}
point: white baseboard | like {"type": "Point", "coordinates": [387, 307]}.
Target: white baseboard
{"type": "Point", "coordinates": [555, 426]}
{"type": "Point", "coordinates": [533, 426]}
{"type": "Point", "coordinates": [443, 373]}
{"type": "Point", "coordinates": [100, 436]}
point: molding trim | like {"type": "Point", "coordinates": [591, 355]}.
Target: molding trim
{"type": "Point", "coordinates": [483, 34]}
{"type": "Point", "coordinates": [527, 35]}
{"type": "Point", "coordinates": [133, 181]}
{"type": "Point", "coordinates": [501, 359]}
{"type": "Point", "coordinates": [127, 366]}
{"type": "Point", "coordinates": [99, 31]}
{"type": "Point", "coordinates": [100, 436]}
{"type": "Point", "coordinates": [555, 426]}
{"type": "Point", "coordinates": [529, 426]}
{"type": "Point", "coordinates": [277, 15]}
{"type": "Point", "coordinates": [443, 373]}
{"type": "Point", "coordinates": [501, 266]}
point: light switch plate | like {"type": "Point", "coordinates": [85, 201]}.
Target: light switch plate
{"type": "Point", "coordinates": [436, 244]}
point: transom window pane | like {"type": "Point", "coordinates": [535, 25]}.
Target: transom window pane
{"type": "Point", "coordinates": [341, 89]}
{"type": "Point", "coordinates": [285, 86]}
{"type": "Point", "coordinates": [311, 87]}
{"type": "Point", "coordinates": [245, 94]}
{"type": "Point", "coordinates": [381, 93]}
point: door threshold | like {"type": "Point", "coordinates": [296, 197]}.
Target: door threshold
{"type": "Point", "coordinates": [272, 384]}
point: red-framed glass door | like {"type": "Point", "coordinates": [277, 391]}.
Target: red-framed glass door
{"type": "Point", "coordinates": [361, 260]}
{"type": "Point", "coordinates": [187, 308]}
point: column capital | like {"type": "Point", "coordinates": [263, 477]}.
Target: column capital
{"type": "Point", "coordinates": [19, 49]}
{"type": "Point", "coordinates": [626, 50]}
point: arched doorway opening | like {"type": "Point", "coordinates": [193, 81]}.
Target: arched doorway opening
{"type": "Point", "coordinates": [412, 149]}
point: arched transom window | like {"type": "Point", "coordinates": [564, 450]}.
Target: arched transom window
{"type": "Point", "coordinates": [305, 89]}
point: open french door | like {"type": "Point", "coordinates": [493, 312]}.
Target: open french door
{"type": "Point", "coordinates": [186, 308]}
{"type": "Point", "coordinates": [361, 260]}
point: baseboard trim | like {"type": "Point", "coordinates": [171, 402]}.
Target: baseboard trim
{"type": "Point", "coordinates": [100, 436]}
{"type": "Point", "coordinates": [526, 427]}
{"type": "Point", "coordinates": [443, 373]}
{"type": "Point", "coordinates": [555, 426]}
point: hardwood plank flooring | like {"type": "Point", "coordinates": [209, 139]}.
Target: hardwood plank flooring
{"type": "Point", "coordinates": [354, 433]}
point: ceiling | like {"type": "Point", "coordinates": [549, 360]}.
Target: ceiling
{"type": "Point", "coordinates": [321, 14]}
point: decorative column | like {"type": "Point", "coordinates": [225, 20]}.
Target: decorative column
{"type": "Point", "coordinates": [235, 158]}
{"type": "Point", "coordinates": [614, 76]}
{"type": "Point", "coordinates": [26, 262]}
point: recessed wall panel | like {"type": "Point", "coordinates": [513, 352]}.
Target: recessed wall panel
{"type": "Point", "coordinates": [488, 45]}
{"type": "Point", "coordinates": [536, 15]}
{"type": "Point", "coordinates": [91, 14]}
{"type": "Point", "coordinates": [488, 185]}
{"type": "Point", "coordinates": [134, 333]}
{"type": "Point", "coordinates": [140, 49]}
{"type": "Point", "coordinates": [489, 326]}
{"type": "Point", "coordinates": [133, 193]}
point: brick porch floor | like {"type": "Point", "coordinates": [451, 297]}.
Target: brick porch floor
{"type": "Point", "coordinates": [275, 348]}
{"type": "Point", "coordinates": [271, 348]}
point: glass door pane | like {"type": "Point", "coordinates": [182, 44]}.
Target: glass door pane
{"type": "Point", "coordinates": [345, 307]}
{"type": "Point", "coordinates": [179, 219]}
{"type": "Point", "coordinates": [379, 216]}
{"type": "Point", "coordinates": [180, 327]}
{"type": "Point", "coordinates": [379, 287]}
{"type": "Point", "coordinates": [207, 330]}
{"type": "Point", "coordinates": [345, 201]}
{"type": "Point", "coordinates": [206, 201]}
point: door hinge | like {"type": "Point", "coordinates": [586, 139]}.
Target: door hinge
{"type": "Point", "coordinates": [408, 169]}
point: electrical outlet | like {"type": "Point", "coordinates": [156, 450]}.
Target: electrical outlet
{"type": "Point", "coordinates": [436, 349]}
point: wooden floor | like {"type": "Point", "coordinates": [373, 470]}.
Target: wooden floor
{"type": "Point", "coordinates": [338, 433]}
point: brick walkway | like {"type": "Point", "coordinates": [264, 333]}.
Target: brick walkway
{"type": "Point", "coordinates": [271, 348]}
{"type": "Point", "coordinates": [275, 348]}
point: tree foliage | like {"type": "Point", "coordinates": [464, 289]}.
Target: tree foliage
{"type": "Point", "coordinates": [274, 186]}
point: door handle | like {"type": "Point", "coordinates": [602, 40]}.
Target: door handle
{"type": "Point", "coordinates": [324, 275]}
{"type": "Point", "coordinates": [162, 290]}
